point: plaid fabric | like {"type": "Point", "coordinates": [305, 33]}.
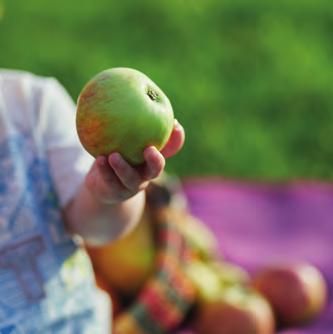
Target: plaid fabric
{"type": "Point", "coordinates": [166, 297]}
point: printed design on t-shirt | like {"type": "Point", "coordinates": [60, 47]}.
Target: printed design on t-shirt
{"type": "Point", "coordinates": [33, 244]}
{"type": "Point", "coordinates": [32, 206]}
{"type": "Point", "coordinates": [37, 257]}
{"type": "Point", "coordinates": [9, 330]}
{"type": "Point", "coordinates": [21, 259]}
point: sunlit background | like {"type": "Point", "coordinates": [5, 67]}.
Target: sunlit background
{"type": "Point", "coordinates": [251, 81]}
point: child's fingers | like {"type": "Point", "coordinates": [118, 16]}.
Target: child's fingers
{"type": "Point", "coordinates": [155, 163]}
{"type": "Point", "coordinates": [175, 142]}
{"type": "Point", "coordinates": [106, 172]}
{"type": "Point", "coordinates": [129, 177]}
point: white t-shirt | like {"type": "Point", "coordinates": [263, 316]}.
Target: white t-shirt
{"type": "Point", "coordinates": [46, 281]}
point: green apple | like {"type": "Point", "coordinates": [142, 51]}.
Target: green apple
{"type": "Point", "coordinates": [201, 240]}
{"type": "Point", "coordinates": [205, 280]}
{"type": "Point", "coordinates": [231, 274]}
{"type": "Point", "coordinates": [122, 110]}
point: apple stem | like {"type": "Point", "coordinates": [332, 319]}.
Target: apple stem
{"type": "Point", "coordinates": [152, 94]}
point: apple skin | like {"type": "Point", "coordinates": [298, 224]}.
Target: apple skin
{"type": "Point", "coordinates": [122, 110]}
{"type": "Point", "coordinates": [225, 305]}
{"type": "Point", "coordinates": [125, 264]}
{"type": "Point", "coordinates": [235, 311]}
{"type": "Point", "coordinates": [297, 292]}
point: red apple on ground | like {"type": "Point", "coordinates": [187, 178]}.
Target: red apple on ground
{"type": "Point", "coordinates": [227, 306]}
{"type": "Point", "coordinates": [235, 311]}
{"type": "Point", "coordinates": [122, 110]}
{"type": "Point", "coordinates": [297, 292]}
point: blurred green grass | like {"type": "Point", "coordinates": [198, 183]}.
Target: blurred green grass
{"type": "Point", "coordinates": [251, 81]}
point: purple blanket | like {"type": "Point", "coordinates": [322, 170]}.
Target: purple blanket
{"type": "Point", "coordinates": [257, 224]}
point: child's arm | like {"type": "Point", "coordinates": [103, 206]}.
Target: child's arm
{"type": "Point", "coordinates": [111, 200]}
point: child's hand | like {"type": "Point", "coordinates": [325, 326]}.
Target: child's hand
{"type": "Point", "coordinates": [112, 179]}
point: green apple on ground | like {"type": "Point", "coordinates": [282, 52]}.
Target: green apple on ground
{"type": "Point", "coordinates": [297, 292]}
{"type": "Point", "coordinates": [205, 280]}
{"type": "Point", "coordinates": [230, 274]}
{"type": "Point", "coordinates": [227, 309]}
{"type": "Point", "coordinates": [125, 264]}
{"type": "Point", "coordinates": [122, 110]}
{"type": "Point", "coordinates": [201, 240]}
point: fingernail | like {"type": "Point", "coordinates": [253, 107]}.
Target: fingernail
{"type": "Point", "coordinates": [114, 158]}
{"type": "Point", "coordinates": [151, 149]}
